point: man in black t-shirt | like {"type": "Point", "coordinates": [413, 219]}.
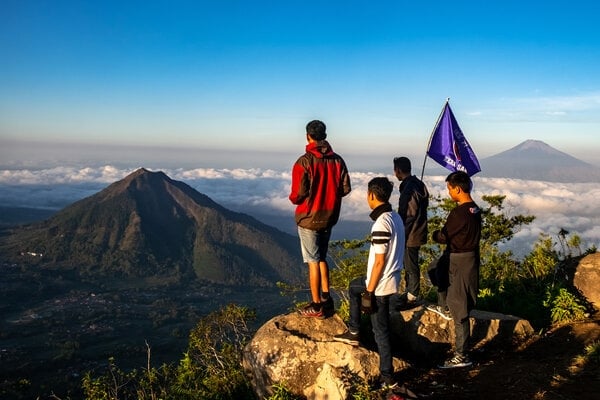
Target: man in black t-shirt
{"type": "Point", "coordinates": [461, 234]}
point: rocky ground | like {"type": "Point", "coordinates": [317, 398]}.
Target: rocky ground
{"type": "Point", "coordinates": [547, 367]}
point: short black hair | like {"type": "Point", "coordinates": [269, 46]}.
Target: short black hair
{"type": "Point", "coordinates": [381, 187]}
{"type": "Point", "coordinates": [316, 129]}
{"type": "Point", "coordinates": [460, 179]}
{"type": "Point", "coordinates": [402, 164]}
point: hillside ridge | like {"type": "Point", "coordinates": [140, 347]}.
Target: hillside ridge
{"type": "Point", "coordinates": [148, 224]}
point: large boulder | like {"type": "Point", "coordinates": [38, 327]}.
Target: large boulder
{"type": "Point", "coordinates": [422, 333]}
{"type": "Point", "coordinates": [587, 278]}
{"type": "Point", "coordinates": [301, 354]}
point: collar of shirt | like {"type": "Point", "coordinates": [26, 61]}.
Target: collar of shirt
{"type": "Point", "coordinates": [383, 208]}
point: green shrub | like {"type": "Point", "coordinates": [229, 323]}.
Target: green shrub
{"type": "Point", "coordinates": [281, 392]}
{"type": "Point", "coordinates": [564, 306]}
{"type": "Point", "coordinates": [507, 285]}
{"type": "Point", "coordinates": [592, 352]}
{"type": "Point", "coordinates": [211, 368]}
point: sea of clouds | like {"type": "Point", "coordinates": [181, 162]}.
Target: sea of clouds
{"type": "Point", "coordinates": [263, 193]}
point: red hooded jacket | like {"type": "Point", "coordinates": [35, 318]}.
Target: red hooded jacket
{"type": "Point", "coordinates": [319, 181]}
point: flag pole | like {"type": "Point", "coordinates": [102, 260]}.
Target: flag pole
{"type": "Point", "coordinates": [431, 136]}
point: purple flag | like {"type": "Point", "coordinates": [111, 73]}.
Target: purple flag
{"type": "Point", "coordinates": [449, 147]}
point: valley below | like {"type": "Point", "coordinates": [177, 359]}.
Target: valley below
{"type": "Point", "coordinates": [55, 328]}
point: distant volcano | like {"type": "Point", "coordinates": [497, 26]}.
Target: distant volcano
{"type": "Point", "coordinates": [148, 225]}
{"type": "Point", "coordinates": [535, 160]}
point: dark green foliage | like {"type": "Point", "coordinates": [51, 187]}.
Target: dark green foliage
{"type": "Point", "coordinates": [534, 288]}
{"type": "Point", "coordinates": [280, 392]}
{"type": "Point", "coordinates": [138, 384]}
{"type": "Point", "coordinates": [211, 367]}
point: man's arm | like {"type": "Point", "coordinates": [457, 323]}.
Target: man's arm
{"type": "Point", "coordinates": [346, 186]}
{"type": "Point", "coordinates": [300, 185]}
{"type": "Point", "coordinates": [376, 272]}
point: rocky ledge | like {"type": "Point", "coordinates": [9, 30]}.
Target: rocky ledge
{"type": "Point", "coordinates": [300, 352]}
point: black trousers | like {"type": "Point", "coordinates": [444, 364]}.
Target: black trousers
{"type": "Point", "coordinates": [463, 278]}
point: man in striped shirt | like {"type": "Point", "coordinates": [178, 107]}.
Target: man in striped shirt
{"type": "Point", "coordinates": [371, 293]}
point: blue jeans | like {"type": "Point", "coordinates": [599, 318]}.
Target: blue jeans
{"type": "Point", "coordinates": [380, 321]}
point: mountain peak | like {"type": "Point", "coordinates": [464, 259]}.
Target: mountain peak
{"type": "Point", "coordinates": [532, 145]}
{"type": "Point", "coordinates": [536, 160]}
{"type": "Point", "coordinates": [143, 173]}
{"type": "Point", "coordinates": [149, 225]}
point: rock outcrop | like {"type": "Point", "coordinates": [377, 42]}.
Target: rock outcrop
{"type": "Point", "coordinates": [421, 333]}
{"type": "Point", "coordinates": [300, 352]}
{"type": "Point", "coordinates": [587, 278]}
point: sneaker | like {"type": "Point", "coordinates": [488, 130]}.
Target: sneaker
{"type": "Point", "coordinates": [443, 312]}
{"type": "Point", "coordinates": [387, 383]}
{"type": "Point", "coordinates": [458, 361]}
{"type": "Point", "coordinates": [406, 301]}
{"type": "Point", "coordinates": [327, 306]}
{"type": "Point", "coordinates": [313, 310]}
{"type": "Point", "coordinates": [348, 338]}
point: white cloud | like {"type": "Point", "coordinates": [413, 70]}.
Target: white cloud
{"type": "Point", "coordinates": [557, 106]}
{"type": "Point", "coordinates": [574, 207]}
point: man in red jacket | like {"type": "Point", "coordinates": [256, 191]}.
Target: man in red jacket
{"type": "Point", "coordinates": [319, 181]}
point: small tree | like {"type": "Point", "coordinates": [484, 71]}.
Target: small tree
{"type": "Point", "coordinates": [529, 288]}
{"type": "Point", "coordinates": [349, 262]}
{"type": "Point", "coordinates": [212, 366]}
{"type": "Point", "coordinates": [210, 369]}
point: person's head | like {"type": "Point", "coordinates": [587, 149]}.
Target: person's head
{"type": "Point", "coordinates": [379, 191]}
{"type": "Point", "coordinates": [459, 185]}
{"type": "Point", "coordinates": [402, 167]}
{"type": "Point", "coordinates": [316, 130]}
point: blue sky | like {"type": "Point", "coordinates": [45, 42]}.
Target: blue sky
{"type": "Point", "coordinates": [244, 77]}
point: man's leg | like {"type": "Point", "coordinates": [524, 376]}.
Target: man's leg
{"type": "Point", "coordinates": [309, 243]}
{"type": "Point", "coordinates": [381, 321]}
{"type": "Point", "coordinates": [324, 276]}
{"type": "Point", "coordinates": [460, 275]}
{"type": "Point", "coordinates": [355, 290]}
{"type": "Point", "coordinates": [352, 335]}
{"type": "Point", "coordinates": [314, 279]}
{"type": "Point", "coordinates": [412, 273]}
{"type": "Point", "coordinates": [323, 244]}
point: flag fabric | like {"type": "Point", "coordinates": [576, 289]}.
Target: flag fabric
{"type": "Point", "coordinates": [449, 147]}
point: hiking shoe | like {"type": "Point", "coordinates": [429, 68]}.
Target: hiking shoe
{"type": "Point", "coordinates": [413, 302]}
{"type": "Point", "coordinates": [313, 310]}
{"type": "Point", "coordinates": [406, 301]}
{"type": "Point", "coordinates": [327, 306]}
{"type": "Point", "coordinates": [443, 312]}
{"type": "Point", "coordinates": [458, 361]}
{"type": "Point", "coordinates": [348, 338]}
{"type": "Point", "coordinates": [387, 383]}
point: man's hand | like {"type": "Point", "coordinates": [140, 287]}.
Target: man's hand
{"type": "Point", "coordinates": [368, 304]}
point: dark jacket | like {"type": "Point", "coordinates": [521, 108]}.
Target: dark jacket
{"type": "Point", "coordinates": [412, 207]}
{"type": "Point", "coordinates": [319, 181]}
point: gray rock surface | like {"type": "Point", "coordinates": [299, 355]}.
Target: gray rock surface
{"type": "Point", "coordinates": [300, 353]}
{"type": "Point", "coordinates": [587, 278]}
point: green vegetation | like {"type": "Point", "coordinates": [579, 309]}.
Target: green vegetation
{"type": "Point", "coordinates": [536, 288]}
{"type": "Point", "coordinates": [209, 369]}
